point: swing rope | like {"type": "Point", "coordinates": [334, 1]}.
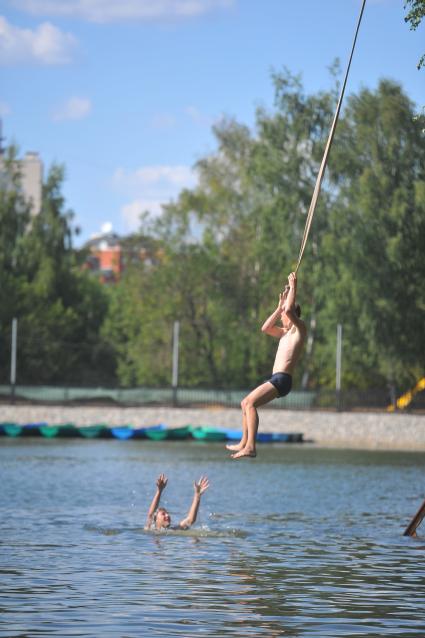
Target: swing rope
{"type": "Point", "coordinates": [319, 179]}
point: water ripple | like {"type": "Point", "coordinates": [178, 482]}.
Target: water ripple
{"type": "Point", "coordinates": [323, 555]}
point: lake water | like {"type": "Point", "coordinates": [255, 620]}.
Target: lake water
{"type": "Point", "coordinates": [298, 542]}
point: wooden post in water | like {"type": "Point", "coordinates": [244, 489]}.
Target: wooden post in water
{"type": "Point", "coordinates": [415, 522]}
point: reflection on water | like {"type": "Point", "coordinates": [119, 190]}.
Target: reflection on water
{"type": "Point", "coordinates": [298, 542]}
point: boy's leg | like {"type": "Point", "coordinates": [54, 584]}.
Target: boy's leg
{"type": "Point", "coordinates": [265, 393]}
{"type": "Point", "coordinates": [239, 446]}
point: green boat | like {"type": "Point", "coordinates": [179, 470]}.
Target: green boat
{"type": "Point", "coordinates": [91, 431]}
{"type": "Point", "coordinates": [154, 432]}
{"type": "Point", "coordinates": [207, 433]}
{"type": "Point", "coordinates": [157, 434]}
{"type": "Point", "coordinates": [49, 431]}
{"type": "Point", "coordinates": [11, 429]}
{"type": "Point", "coordinates": [178, 433]}
{"type": "Point", "coordinates": [66, 429]}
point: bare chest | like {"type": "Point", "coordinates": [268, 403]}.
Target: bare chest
{"type": "Point", "coordinates": [289, 341]}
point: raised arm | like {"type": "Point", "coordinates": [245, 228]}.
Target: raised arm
{"type": "Point", "coordinates": [289, 305]}
{"type": "Point", "coordinates": [161, 483]}
{"type": "Point", "coordinates": [199, 488]}
{"type": "Point", "coordinates": [269, 326]}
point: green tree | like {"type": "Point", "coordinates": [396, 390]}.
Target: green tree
{"type": "Point", "coordinates": [414, 17]}
{"type": "Point", "coordinates": [228, 244]}
{"type": "Point", "coordinates": [228, 247]}
{"type": "Point", "coordinates": [59, 308]}
{"type": "Point", "coordinates": [371, 257]}
{"type": "Point", "coordinates": [14, 220]}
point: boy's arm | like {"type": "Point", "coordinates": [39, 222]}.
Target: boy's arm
{"type": "Point", "coordinates": [289, 305]}
{"type": "Point", "coordinates": [161, 482]}
{"type": "Point", "coordinates": [269, 326]}
{"type": "Point", "coordinates": [199, 488]}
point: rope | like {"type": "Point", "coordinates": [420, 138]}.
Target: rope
{"type": "Point", "coordinates": [319, 179]}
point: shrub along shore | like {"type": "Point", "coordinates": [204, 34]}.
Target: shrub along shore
{"type": "Point", "coordinates": [374, 431]}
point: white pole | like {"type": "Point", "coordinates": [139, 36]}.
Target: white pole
{"type": "Point", "coordinates": [14, 348]}
{"type": "Point", "coordinates": [175, 375]}
{"type": "Point", "coordinates": [338, 357]}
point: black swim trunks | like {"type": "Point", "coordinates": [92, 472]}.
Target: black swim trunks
{"type": "Point", "coordinates": [282, 382]}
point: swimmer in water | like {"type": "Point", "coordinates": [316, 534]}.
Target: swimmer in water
{"type": "Point", "coordinates": [291, 334]}
{"type": "Point", "coordinates": [158, 518]}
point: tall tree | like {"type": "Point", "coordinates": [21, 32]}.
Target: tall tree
{"type": "Point", "coordinates": [371, 258]}
{"type": "Point", "coordinates": [14, 220]}
{"type": "Point", "coordinates": [229, 245]}
{"type": "Point", "coordinates": [59, 308]}
{"type": "Point", "coordinates": [414, 17]}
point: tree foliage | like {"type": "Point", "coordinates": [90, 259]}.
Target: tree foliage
{"type": "Point", "coordinates": [414, 17]}
{"type": "Point", "coordinates": [230, 242]}
{"type": "Point", "coordinates": [59, 309]}
{"type": "Point", "coordinates": [220, 254]}
{"type": "Point", "coordinates": [371, 255]}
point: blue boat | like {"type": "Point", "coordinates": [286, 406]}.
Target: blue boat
{"type": "Point", "coordinates": [265, 437]}
{"type": "Point", "coordinates": [290, 437]}
{"type": "Point", "coordinates": [32, 429]}
{"type": "Point", "coordinates": [122, 432]}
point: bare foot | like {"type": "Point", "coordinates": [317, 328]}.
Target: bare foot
{"type": "Point", "coordinates": [235, 447]}
{"type": "Point", "coordinates": [246, 451]}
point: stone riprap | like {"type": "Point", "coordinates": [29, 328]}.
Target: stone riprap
{"type": "Point", "coordinates": [328, 429]}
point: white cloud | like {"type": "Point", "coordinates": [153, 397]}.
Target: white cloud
{"type": "Point", "coordinates": [44, 45]}
{"type": "Point", "coordinates": [198, 117]}
{"type": "Point", "coordinates": [162, 177]}
{"type": "Point", "coordinates": [131, 212]}
{"type": "Point", "coordinates": [4, 109]}
{"type": "Point", "coordinates": [114, 10]}
{"type": "Point", "coordinates": [76, 108]}
{"type": "Point", "coordinates": [150, 187]}
{"type": "Point", "coordinates": [106, 228]}
{"type": "Point", "coordinates": [163, 121]}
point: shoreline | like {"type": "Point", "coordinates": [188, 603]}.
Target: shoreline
{"type": "Point", "coordinates": [353, 430]}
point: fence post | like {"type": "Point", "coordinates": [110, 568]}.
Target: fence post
{"type": "Point", "coordinates": [175, 372]}
{"type": "Point", "coordinates": [338, 367]}
{"type": "Point", "coordinates": [13, 359]}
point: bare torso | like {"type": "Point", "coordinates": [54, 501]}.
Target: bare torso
{"type": "Point", "coordinates": [289, 349]}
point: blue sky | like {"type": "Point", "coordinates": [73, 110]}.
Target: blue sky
{"type": "Point", "coordinates": [125, 93]}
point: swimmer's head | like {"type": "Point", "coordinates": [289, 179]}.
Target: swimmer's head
{"type": "Point", "coordinates": [162, 518]}
{"type": "Point", "coordinates": [286, 322]}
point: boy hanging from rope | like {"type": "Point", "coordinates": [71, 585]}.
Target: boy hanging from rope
{"type": "Point", "coordinates": [291, 337]}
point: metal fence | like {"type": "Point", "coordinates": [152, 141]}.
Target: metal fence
{"type": "Point", "coordinates": [369, 400]}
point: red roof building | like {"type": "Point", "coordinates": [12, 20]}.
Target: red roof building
{"type": "Point", "coordinates": [109, 254]}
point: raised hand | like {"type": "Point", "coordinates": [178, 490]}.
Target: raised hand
{"type": "Point", "coordinates": [161, 482]}
{"type": "Point", "coordinates": [202, 485]}
{"type": "Point", "coordinates": [292, 278]}
{"type": "Point", "coordinates": [282, 297]}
